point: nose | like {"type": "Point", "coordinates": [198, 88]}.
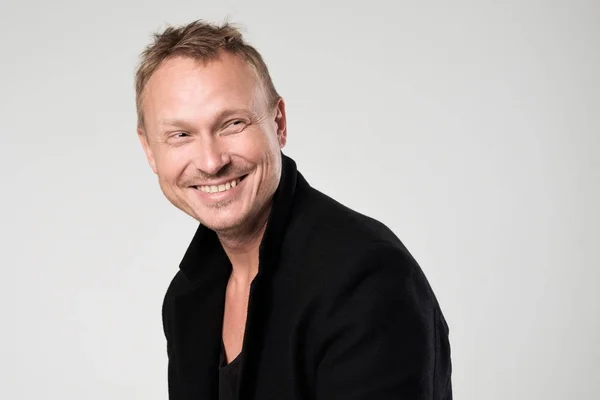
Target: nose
{"type": "Point", "coordinates": [211, 156]}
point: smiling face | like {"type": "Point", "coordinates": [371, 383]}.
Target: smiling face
{"type": "Point", "coordinates": [214, 140]}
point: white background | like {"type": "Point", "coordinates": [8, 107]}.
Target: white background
{"type": "Point", "coordinates": [471, 128]}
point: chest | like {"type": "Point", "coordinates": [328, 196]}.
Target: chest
{"type": "Point", "coordinates": [272, 323]}
{"type": "Point", "coordinates": [235, 315]}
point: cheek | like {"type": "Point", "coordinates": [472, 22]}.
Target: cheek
{"type": "Point", "coordinates": [170, 165]}
{"type": "Point", "coordinates": [248, 146]}
{"type": "Point", "coordinates": [257, 145]}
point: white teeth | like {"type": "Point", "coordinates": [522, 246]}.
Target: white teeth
{"type": "Point", "coordinates": [220, 188]}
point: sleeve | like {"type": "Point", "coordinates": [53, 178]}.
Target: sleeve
{"type": "Point", "coordinates": [383, 335]}
{"type": "Point", "coordinates": [167, 310]}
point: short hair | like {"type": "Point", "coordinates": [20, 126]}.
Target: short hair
{"type": "Point", "coordinates": [201, 41]}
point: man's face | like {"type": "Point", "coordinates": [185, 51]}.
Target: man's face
{"type": "Point", "coordinates": [213, 140]}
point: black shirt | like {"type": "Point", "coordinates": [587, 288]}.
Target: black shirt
{"type": "Point", "coordinates": [229, 376]}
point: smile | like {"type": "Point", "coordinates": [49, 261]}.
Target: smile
{"type": "Point", "coordinates": [220, 188]}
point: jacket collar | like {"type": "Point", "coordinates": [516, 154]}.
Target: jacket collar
{"type": "Point", "coordinates": [205, 257]}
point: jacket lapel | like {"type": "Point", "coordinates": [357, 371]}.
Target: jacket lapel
{"type": "Point", "coordinates": [269, 255]}
{"type": "Point", "coordinates": [198, 315]}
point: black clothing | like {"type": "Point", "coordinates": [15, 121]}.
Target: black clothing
{"type": "Point", "coordinates": [338, 310]}
{"type": "Point", "coordinates": [229, 376]}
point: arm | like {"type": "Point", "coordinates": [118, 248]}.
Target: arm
{"type": "Point", "coordinates": [173, 393]}
{"type": "Point", "coordinates": [384, 336]}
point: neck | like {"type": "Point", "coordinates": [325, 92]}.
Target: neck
{"type": "Point", "coordinates": [242, 249]}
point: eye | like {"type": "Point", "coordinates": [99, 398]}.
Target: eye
{"type": "Point", "coordinates": [178, 135]}
{"type": "Point", "coordinates": [234, 126]}
{"type": "Point", "coordinates": [177, 138]}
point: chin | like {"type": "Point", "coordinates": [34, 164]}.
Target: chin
{"type": "Point", "coordinates": [221, 223]}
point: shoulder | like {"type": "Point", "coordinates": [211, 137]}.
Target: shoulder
{"type": "Point", "coordinates": [178, 284]}
{"type": "Point", "coordinates": [180, 288]}
{"type": "Point", "coordinates": [379, 276]}
{"type": "Point", "coordinates": [324, 230]}
{"type": "Point", "coordinates": [331, 252]}
{"type": "Point", "coordinates": [323, 214]}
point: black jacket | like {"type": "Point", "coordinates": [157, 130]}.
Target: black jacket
{"type": "Point", "coordinates": [339, 310]}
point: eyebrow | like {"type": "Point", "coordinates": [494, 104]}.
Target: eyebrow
{"type": "Point", "coordinates": [180, 123]}
{"type": "Point", "coordinates": [173, 122]}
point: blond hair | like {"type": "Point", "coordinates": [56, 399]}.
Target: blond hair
{"type": "Point", "coordinates": [201, 41]}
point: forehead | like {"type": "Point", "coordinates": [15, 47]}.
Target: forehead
{"type": "Point", "coordinates": [188, 89]}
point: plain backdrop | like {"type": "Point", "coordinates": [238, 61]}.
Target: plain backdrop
{"type": "Point", "coordinates": [471, 128]}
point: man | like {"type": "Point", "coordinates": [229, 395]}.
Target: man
{"type": "Point", "coordinates": [283, 293]}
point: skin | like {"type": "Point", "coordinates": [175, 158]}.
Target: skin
{"type": "Point", "coordinates": [207, 123]}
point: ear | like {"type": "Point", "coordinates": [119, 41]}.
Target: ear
{"type": "Point", "coordinates": [281, 122]}
{"type": "Point", "coordinates": [147, 149]}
